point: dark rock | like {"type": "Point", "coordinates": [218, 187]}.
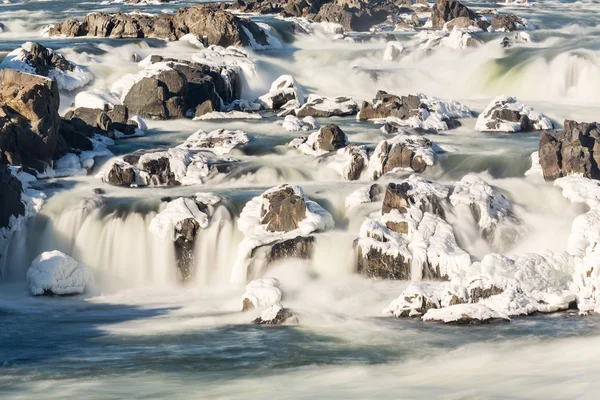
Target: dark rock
{"type": "Point", "coordinates": [163, 96]}
{"type": "Point", "coordinates": [160, 172]}
{"type": "Point", "coordinates": [10, 196]}
{"type": "Point", "coordinates": [121, 175]}
{"type": "Point", "coordinates": [281, 317]}
{"type": "Point", "coordinates": [184, 247]}
{"type": "Point", "coordinates": [506, 22]}
{"type": "Point", "coordinates": [377, 264]}
{"type": "Point", "coordinates": [43, 60]}
{"type": "Point", "coordinates": [575, 150]}
{"type": "Point", "coordinates": [70, 131]}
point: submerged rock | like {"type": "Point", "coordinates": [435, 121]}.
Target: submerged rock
{"type": "Point", "coordinates": [54, 272]}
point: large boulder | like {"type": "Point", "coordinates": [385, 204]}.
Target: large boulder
{"type": "Point", "coordinates": [328, 138]}
{"type": "Point", "coordinates": [29, 120]}
{"type": "Point", "coordinates": [162, 96]}
{"type": "Point", "coordinates": [447, 10]}
{"type": "Point", "coordinates": [573, 151]}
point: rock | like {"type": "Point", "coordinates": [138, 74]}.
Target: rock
{"type": "Point", "coordinates": [388, 105]}
{"type": "Point", "coordinates": [283, 90]}
{"type": "Point", "coordinates": [276, 315]}
{"type": "Point", "coordinates": [29, 120]}
{"type": "Point", "coordinates": [573, 151]}
{"type": "Point", "coordinates": [179, 222]}
{"type": "Point", "coordinates": [406, 152]}
{"type": "Point", "coordinates": [325, 107]}
{"type": "Point", "coordinates": [220, 27]}
{"type": "Point", "coordinates": [447, 10]}
{"type": "Point", "coordinates": [54, 272]}
{"type": "Point", "coordinates": [261, 293]}
{"type": "Point", "coordinates": [284, 211]}
{"type": "Point", "coordinates": [350, 162]}
{"type": "Point", "coordinates": [416, 300]}
{"type": "Point", "coordinates": [121, 174]}
{"type": "Point", "coordinates": [72, 134]}
{"type": "Point", "coordinates": [10, 196]}
{"type": "Point", "coordinates": [293, 123]}
{"type": "Point", "coordinates": [506, 114]}
{"type": "Point", "coordinates": [328, 138]}
{"type": "Point", "coordinates": [509, 23]}
{"type": "Point", "coordinates": [220, 141]}
{"type": "Point", "coordinates": [465, 314]}
{"type": "Point", "coordinates": [163, 96]}
{"type": "Point", "coordinates": [483, 288]}
{"type": "Point", "coordinates": [206, 107]}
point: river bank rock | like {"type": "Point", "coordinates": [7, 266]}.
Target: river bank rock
{"type": "Point", "coordinates": [55, 273]}
{"type": "Point", "coordinates": [573, 151]}
{"type": "Point", "coordinates": [29, 120]}
{"type": "Point", "coordinates": [219, 27]}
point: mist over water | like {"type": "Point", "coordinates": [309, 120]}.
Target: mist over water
{"type": "Point", "coordinates": [140, 333]}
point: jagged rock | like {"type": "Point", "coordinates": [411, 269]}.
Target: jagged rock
{"type": "Point", "coordinates": [29, 120]}
{"type": "Point", "coordinates": [408, 152]}
{"type": "Point", "coordinates": [75, 135]}
{"type": "Point", "coordinates": [285, 210]}
{"type": "Point", "coordinates": [121, 175]}
{"type": "Point", "coordinates": [325, 107]}
{"type": "Point", "coordinates": [447, 10]}
{"type": "Point", "coordinates": [575, 150]}
{"type": "Point", "coordinates": [509, 23]}
{"type": "Point", "coordinates": [162, 96]}
{"type": "Point", "coordinates": [506, 114]}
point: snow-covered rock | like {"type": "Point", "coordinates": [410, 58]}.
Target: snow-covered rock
{"type": "Point", "coordinates": [34, 58]}
{"type": "Point", "coordinates": [365, 194]}
{"type": "Point", "coordinates": [464, 314]}
{"type": "Point", "coordinates": [220, 141]}
{"type": "Point", "coordinates": [402, 152]}
{"type": "Point", "coordinates": [227, 115]}
{"type": "Point", "coordinates": [261, 293]}
{"type": "Point", "coordinates": [506, 114]}
{"type": "Point", "coordinates": [325, 107]}
{"type": "Point", "coordinates": [328, 138]}
{"type": "Point", "coordinates": [54, 272]}
{"type": "Point", "coordinates": [293, 124]}
{"type": "Point", "coordinates": [350, 162]}
{"type": "Point", "coordinates": [283, 89]}
{"type": "Point", "coordinates": [276, 315]}
{"type": "Point", "coordinates": [169, 223]}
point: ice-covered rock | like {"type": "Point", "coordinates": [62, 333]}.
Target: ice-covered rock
{"type": "Point", "coordinates": [506, 114]}
{"type": "Point", "coordinates": [416, 111]}
{"type": "Point", "coordinates": [411, 153]}
{"type": "Point", "coordinates": [350, 162]}
{"type": "Point", "coordinates": [220, 141]}
{"type": "Point", "coordinates": [489, 208]}
{"type": "Point", "coordinates": [177, 219]}
{"type": "Point", "coordinates": [277, 224]}
{"type": "Point", "coordinates": [229, 115]}
{"type": "Point", "coordinates": [325, 107]}
{"type": "Point", "coordinates": [33, 58]}
{"type": "Point", "coordinates": [283, 89]}
{"type": "Point", "coordinates": [328, 138]}
{"type": "Point", "coordinates": [54, 272]}
{"type": "Point", "coordinates": [365, 194]}
{"type": "Point", "coordinates": [418, 298]}
{"type": "Point", "coordinates": [465, 314]}
{"type": "Point", "coordinates": [293, 124]}
{"type": "Point", "coordinates": [261, 293]}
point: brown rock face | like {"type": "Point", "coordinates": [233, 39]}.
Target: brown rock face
{"type": "Point", "coordinates": [118, 176]}
{"type": "Point", "coordinates": [447, 10]}
{"type": "Point", "coordinates": [286, 210]}
{"type": "Point", "coordinates": [396, 198]}
{"type": "Point", "coordinates": [331, 138]}
{"type": "Point", "coordinates": [29, 120]}
{"type": "Point", "coordinates": [576, 150]}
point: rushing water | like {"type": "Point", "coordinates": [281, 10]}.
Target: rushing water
{"type": "Point", "coordinates": [141, 334]}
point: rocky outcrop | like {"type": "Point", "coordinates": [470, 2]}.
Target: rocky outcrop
{"type": "Point", "coordinates": [219, 27]}
{"type": "Point", "coordinates": [573, 151]}
{"type": "Point", "coordinates": [506, 114]}
{"type": "Point", "coordinates": [447, 10]}
{"type": "Point", "coordinates": [29, 120]}
{"type": "Point", "coordinates": [510, 23]}
{"type": "Point", "coordinates": [401, 152]}
{"type": "Point", "coordinates": [327, 139]}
